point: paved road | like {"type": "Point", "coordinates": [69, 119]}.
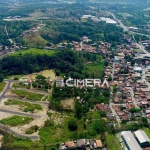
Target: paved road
{"type": "Point", "coordinates": [120, 23]}
{"type": "Point", "coordinates": [43, 103]}
{"type": "Point", "coordinates": [140, 34]}
{"type": "Point", "coordinates": [8, 35]}
{"type": "Point", "coordinates": [113, 70]}
{"type": "Point", "coordinates": [139, 45]}
{"type": "Point", "coordinates": [34, 91]}
{"type": "Point", "coordinates": [114, 113]}
{"type": "Point", "coordinates": [133, 98]}
{"type": "Point", "coordinates": [7, 129]}
{"type": "Point", "coordinates": [7, 87]}
{"type": "Point", "coordinates": [19, 113]}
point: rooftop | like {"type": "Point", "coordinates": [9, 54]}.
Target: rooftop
{"type": "Point", "coordinates": [141, 136]}
{"type": "Point", "coordinates": [130, 140]}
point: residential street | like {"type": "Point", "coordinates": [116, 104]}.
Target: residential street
{"type": "Point", "coordinates": [133, 98]}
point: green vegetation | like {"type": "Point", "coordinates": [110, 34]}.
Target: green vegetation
{"type": "Point", "coordinates": [73, 63]}
{"type": "Point", "coordinates": [95, 70]}
{"type": "Point", "coordinates": [28, 95]}
{"type": "Point", "coordinates": [16, 120]}
{"type": "Point", "coordinates": [20, 85]}
{"type": "Point", "coordinates": [89, 96]}
{"type": "Point", "coordinates": [72, 125]}
{"type": "Point", "coordinates": [25, 106]}
{"type": "Point", "coordinates": [2, 85]}
{"type": "Point", "coordinates": [34, 40]}
{"type": "Point", "coordinates": [147, 131]}
{"type": "Point", "coordinates": [34, 51]}
{"type": "Point", "coordinates": [56, 128]}
{"type": "Point", "coordinates": [32, 129]}
{"type": "Point", "coordinates": [133, 110]}
{"type": "Point", "coordinates": [41, 83]}
{"type": "Point", "coordinates": [112, 142]}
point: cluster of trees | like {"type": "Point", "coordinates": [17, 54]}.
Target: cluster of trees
{"type": "Point", "coordinates": [75, 30]}
{"type": "Point", "coordinates": [67, 62]}
{"type": "Point", "coordinates": [28, 63]}
{"type": "Point", "coordinates": [88, 96]}
{"type": "Point", "coordinates": [41, 83]}
{"type": "Point", "coordinates": [15, 29]}
{"type": "Point", "coordinates": [138, 124]}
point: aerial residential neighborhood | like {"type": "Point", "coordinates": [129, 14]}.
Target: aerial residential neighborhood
{"type": "Point", "coordinates": [75, 75]}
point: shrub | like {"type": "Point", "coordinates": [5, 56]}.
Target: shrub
{"type": "Point", "coordinates": [72, 125]}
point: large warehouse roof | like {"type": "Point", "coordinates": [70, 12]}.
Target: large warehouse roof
{"type": "Point", "coordinates": [130, 140]}
{"type": "Point", "coordinates": [141, 136]}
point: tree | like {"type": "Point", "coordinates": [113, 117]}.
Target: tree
{"type": "Point", "coordinates": [72, 125]}
{"type": "Point", "coordinates": [1, 78]}
{"type": "Point", "coordinates": [109, 78]}
{"type": "Point", "coordinates": [40, 77]}
{"type": "Point", "coordinates": [16, 78]}
{"type": "Point", "coordinates": [78, 109]}
{"type": "Point", "coordinates": [133, 110]}
{"type": "Point", "coordinates": [102, 113]}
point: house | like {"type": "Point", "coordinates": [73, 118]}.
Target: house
{"type": "Point", "coordinates": [81, 143]}
{"type": "Point", "coordinates": [92, 141]}
{"type": "Point", "coordinates": [137, 69]}
{"type": "Point", "coordinates": [137, 114]}
{"type": "Point", "coordinates": [69, 144]}
{"type": "Point", "coordinates": [60, 47]}
{"type": "Point", "coordinates": [116, 59]}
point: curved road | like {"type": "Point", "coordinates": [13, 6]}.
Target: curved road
{"type": "Point", "coordinates": [7, 87]}
{"type": "Point", "coordinates": [8, 35]}
{"type": "Point", "coordinates": [45, 104]}
{"type": "Point", "coordinates": [7, 129]}
{"type": "Point", "coordinates": [35, 91]}
{"type": "Point", "coordinates": [124, 27]}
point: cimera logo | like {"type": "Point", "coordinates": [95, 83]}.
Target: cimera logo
{"type": "Point", "coordinates": [82, 83]}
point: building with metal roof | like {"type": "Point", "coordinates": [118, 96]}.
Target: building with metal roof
{"type": "Point", "coordinates": [137, 69]}
{"type": "Point", "coordinates": [142, 138]}
{"type": "Point", "coordinates": [130, 140]}
{"type": "Point", "coordinates": [116, 59]}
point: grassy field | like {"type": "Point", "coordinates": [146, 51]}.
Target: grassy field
{"type": "Point", "coordinates": [33, 51]}
{"type": "Point", "coordinates": [2, 85]}
{"type": "Point", "coordinates": [95, 68]}
{"type": "Point", "coordinates": [14, 76]}
{"type": "Point", "coordinates": [53, 133]}
{"type": "Point", "coordinates": [28, 95]}
{"type": "Point", "coordinates": [25, 106]}
{"type": "Point", "coordinates": [35, 40]}
{"type": "Point", "coordinates": [48, 74]}
{"type": "Point", "coordinates": [112, 143]}
{"type": "Point", "coordinates": [16, 120]}
{"type": "Point", "coordinates": [20, 85]}
{"type": "Point", "coordinates": [147, 131]}
{"type": "Point", "coordinates": [57, 133]}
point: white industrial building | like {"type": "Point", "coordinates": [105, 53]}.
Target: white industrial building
{"type": "Point", "coordinates": [108, 20]}
{"type": "Point", "coordinates": [142, 138]}
{"type": "Point", "coordinates": [137, 69]}
{"type": "Point", "coordinates": [130, 141]}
